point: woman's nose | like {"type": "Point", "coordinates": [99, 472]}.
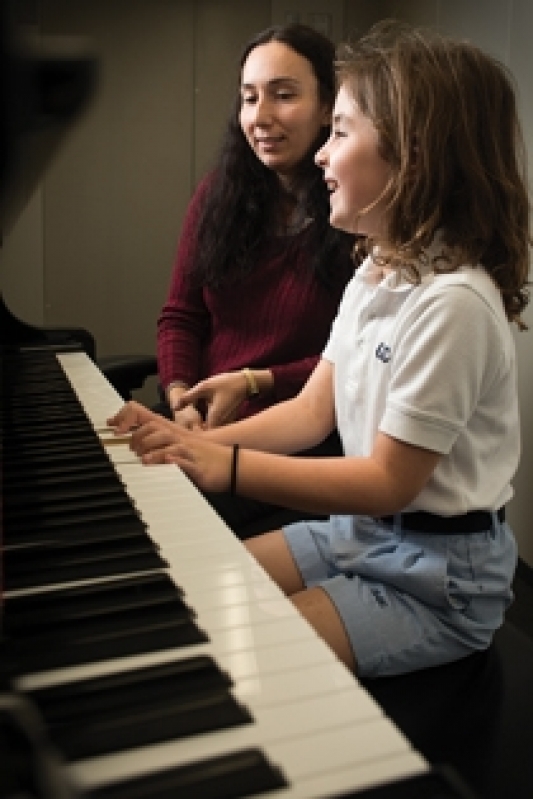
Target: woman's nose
{"type": "Point", "coordinates": [262, 111]}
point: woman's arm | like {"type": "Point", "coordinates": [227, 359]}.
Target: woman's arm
{"type": "Point", "coordinates": [290, 426]}
{"type": "Point", "coordinates": [223, 395]}
{"type": "Point", "coordinates": [184, 318]}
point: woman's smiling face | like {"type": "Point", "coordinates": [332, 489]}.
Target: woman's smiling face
{"type": "Point", "coordinates": [281, 111]}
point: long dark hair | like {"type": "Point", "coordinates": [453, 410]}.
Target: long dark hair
{"type": "Point", "coordinates": [244, 195]}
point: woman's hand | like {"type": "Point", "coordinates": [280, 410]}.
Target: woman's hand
{"type": "Point", "coordinates": [222, 394]}
{"type": "Point", "coordinates": [189, 417]}
{"type": "Point", "coordinates": [186, 416]}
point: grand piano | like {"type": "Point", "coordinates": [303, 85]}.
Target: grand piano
{"type": "Point", "coordinates": [143, 652]}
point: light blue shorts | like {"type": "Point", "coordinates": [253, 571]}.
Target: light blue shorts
{"type": "Point", "coordinates": [408, 600]}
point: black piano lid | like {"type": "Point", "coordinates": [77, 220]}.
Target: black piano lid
{"type": "Point", "coordinates": [43, 89]}
{"type": "Point", "coordinates": [42, 92]}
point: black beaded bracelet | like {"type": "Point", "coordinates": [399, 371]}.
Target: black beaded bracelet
{"type": "Point", "coordinates": [233, 473]}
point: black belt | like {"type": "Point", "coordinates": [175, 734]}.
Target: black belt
{"type": "Point", "coordinates": [475, 521]}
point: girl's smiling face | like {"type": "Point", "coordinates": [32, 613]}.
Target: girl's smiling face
{"type": "Point", "coordinates": [356, 174]}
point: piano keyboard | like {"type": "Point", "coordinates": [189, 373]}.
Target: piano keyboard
{"type": "Point", "coordinates": [292, 702]}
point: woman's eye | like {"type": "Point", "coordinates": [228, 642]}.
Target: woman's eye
{"type": "Point", "coordinates": [339, 134]}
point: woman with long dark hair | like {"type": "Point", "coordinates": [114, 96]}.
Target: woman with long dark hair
{"type": "Point", "coordinates": [259, 272]}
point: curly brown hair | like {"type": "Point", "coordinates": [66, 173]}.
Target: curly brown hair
{"type": "Point", "coordinates": [447, 120]}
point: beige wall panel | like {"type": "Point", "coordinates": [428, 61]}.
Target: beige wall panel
{"type": "Point", "coordinates": [326, 16]}
{"type": "Point", "coordinates": [521, 62]}
{"type": "Point", "coordinates": [360, 15]}
{"type": "Point", "coordinates": [114, 198]}
{"type": "Point", "coordinates": [222, 28]}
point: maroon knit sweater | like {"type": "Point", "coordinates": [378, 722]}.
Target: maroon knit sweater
{"type": "Point", "coordinates": [278, 317]}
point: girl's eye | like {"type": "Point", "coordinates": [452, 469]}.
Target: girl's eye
{"type": "Point", "coordinates": [248, 98]}
{"type": "Point", "coordinates": [338, 134]}
{"type": "Point", "coordinates": [284, 95]}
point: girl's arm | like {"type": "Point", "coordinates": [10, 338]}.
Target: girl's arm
{"type": "Point", "coordinates": [381, 484]}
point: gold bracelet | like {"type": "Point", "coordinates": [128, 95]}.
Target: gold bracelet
{"type": "Point", "coordinates": [253, 388]}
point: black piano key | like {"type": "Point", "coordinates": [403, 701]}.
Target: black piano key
{"type": "Point", "coordinates": [91, 698]}
{"type": "Point", "coordinates": [89, 525]}
{"type": "Point", "coordinates": [65, 420]}
{"type": "Point", "coordinates": [137, 708]}
{"type": "Point", "coordinates": [170, 625]}
{"type": "Point", "coordinates": [33, 391]}
{"type": "Point", "coordinates": [50, 459]}
{"type": "Point", "coordinates": [60, 498]}
{"type": "Point", "coordinates": [232, 776]}
{"type": "Point", "coordinates": [62, 410]}
{"type": "Point", "coordinates": [46, 436]}
{"type": "Point", "coordinates": [58, 472]}
{"type": "Point", "coordinates": [159, 722]}
{"type": "Point", "coordinates": [71, 505]}
{"type": "Point", "coordinates": [159, 635]}
{"type": "Point", "coordinates": [35, 612]}
{"type": "Point", "coordinates": [123, 527]}
{"type": "Point", "coordinates": [40, 452]}
{"type": "Point", "coordinates": [58, 563]}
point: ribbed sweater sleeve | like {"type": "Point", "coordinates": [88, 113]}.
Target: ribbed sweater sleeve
{"type": "Point", "coordinates": [183, 324]}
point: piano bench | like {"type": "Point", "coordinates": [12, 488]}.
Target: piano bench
{"type": "Point", "coordinates": [128, 372]}
{"type": "Point", "coordinates": [474, 716]}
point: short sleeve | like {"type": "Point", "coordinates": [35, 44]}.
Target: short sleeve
{"type": "Point", "coordinates": [450, 348]}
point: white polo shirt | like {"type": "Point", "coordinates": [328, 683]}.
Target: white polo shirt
{"type": "Point", "coordinates": [432, 365]}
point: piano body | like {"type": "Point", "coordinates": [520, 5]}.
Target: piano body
{"type": "Point", "coordinates": [143, 652]}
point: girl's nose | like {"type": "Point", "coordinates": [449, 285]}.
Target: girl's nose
{"type": "Point", "coordinates": [321, 157]}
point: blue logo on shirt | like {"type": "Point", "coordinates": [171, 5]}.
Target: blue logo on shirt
{"type": "Point", "coordinates": [384, 352]}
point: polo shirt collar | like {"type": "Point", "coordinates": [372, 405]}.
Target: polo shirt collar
{"type": "Point", "coordinates": [372, 274]}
